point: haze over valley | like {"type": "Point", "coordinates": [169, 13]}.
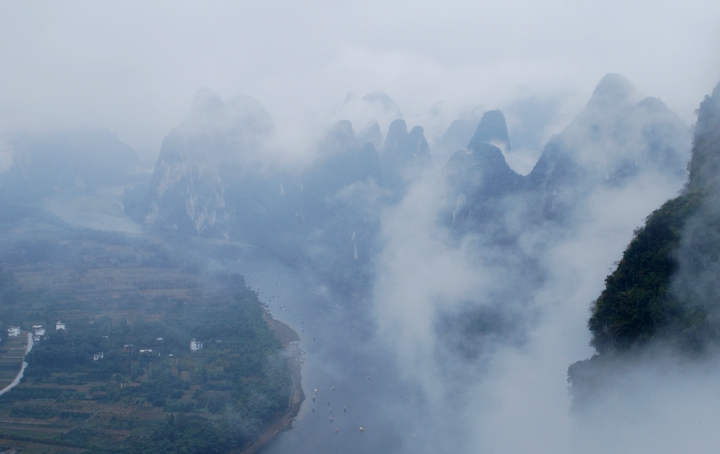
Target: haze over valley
{"type": "Point", "coordinates": [235, 229]}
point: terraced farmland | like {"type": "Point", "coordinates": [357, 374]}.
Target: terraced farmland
{"type": "Point", "coordinates": [12, 352]}
{"type": "Point", "coordinates": [122, 377]}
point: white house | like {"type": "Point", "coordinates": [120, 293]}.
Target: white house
{"type": "Point", "coordinates": [14, 331]}
{"type": "Point", "coordinates": [98, 355]}
{"type": "Point", "coordinates": [195, 345]}
{"type": "Point", "coordinates": [59, 325]}
{"type": "Point", "coordinates": [38, 330]}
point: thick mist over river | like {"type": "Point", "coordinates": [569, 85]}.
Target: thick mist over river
{"type": "Point", "coordinates": [357, 382]}
{"type": "Point", "coordinates": [431, 195]}
{"type": "Point", "coordinates": [387, 381]}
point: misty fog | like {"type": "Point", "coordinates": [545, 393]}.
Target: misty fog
{"type": "Point", "coordinates": [430, 196]}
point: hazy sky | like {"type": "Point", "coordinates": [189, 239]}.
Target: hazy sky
{"type": "Point", "coordinates": [133, 67]}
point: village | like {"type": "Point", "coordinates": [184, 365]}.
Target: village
{"type": "Point", "coordinates": [126, 332]}
{"type": "Point", "coordinates": [37, 331]}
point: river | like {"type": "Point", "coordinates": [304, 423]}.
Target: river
{"type": "Point", "coordinates": [357, 382]}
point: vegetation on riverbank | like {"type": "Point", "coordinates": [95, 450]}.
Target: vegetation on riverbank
{"type": "Point", "coordinates": [122, 377]}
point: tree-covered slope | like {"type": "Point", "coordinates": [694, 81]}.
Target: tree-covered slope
{"type": "Point", "coordinates": [665, 291]}
{"type": "Point", "coordinates": [637, 303]}
{"type": "Point", "coordinates": [654, 290]}
{"type": "Point", "coordinates": [122, 376]}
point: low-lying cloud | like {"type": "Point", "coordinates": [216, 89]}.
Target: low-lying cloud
{"type": "Point", "coordinates": [502, 383]}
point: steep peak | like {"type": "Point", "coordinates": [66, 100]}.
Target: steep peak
{"type": "Point", "coordinates": [384, 102]}
{"type": "Point", "coordinates": [371, 134]}
{"type": "Point", "coordinates": [492, 129]}
{"type": "Point", "coordinates": [612, 91]}
{"type": "Point", "coordinates": [708, 112]}
{"type": "Point", "coordinates": [397, 133]}
{"type": "Point", "coordinates": [401, 152]}
{"type": "Point", "coordinates": [242, 114]}
{"type": "Point", "coordinates": [206, 100]}
{"type": "Point", "coordinates": [481, 173]}
{"type": "Point", "coordinates": [704, 165]}
{"type": "Point", "coordinates": [651, 104]}
{"type": "Point", "coordinates": [339, 138]}
{"type": "Point", "coordinates": [247, 112]}
{"type": "Point", "coordinates": [350, 97]}
{"type": "Point", "coordinates": [417, 142]}
{"type": "Point", "coordinates": [207, 110]}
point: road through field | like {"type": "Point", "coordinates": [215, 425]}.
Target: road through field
{"type": "Point", "coordinates": [20, 374]}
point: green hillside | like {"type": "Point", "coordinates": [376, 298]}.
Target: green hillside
{"type": "Point", "coordinates": [637, 304]}
{"type": "Point", "coordinates": [665, 291]}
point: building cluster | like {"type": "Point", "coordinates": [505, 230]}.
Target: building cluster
{"type": "Point", "coordinates": [37, 330]}
{"type": "Point", "coordinates": [195, 345]}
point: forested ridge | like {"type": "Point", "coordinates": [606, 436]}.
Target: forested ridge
{"type": "Point", "coordinates": [664, 295]}
{"type": "Point", "coordinates": [636, 304]}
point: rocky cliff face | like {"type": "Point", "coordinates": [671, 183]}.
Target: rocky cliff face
{"type": "Point", "coordinates": [662, 301]}
{"type": "Point", "coordinates": [200, 158]}
{"type": "Point", "coordinates": [345, 189]}
{"type": "Point", "coordinates": [479, 176]}
{"type": "Point", "coordinates": [618, 137]}
{"type": "Point", "coordinates": [704, 166]}
{"type": "Point", "coordinates": [619, 140]}
{"type": "Point", "coordinates": [492, 130]}
{"type": "Point", "coordinates": [402, 152]}
{"type": "Point", "coordinates": [209, 180]}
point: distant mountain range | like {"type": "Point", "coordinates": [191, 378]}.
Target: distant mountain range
{"type": "Point", "coordinates": [50, 163]}
{"type": "Point", "coordinates": [212, 179]}
{"type": "Point", "coordinates": [617, 138]}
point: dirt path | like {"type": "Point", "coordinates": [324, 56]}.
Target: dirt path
{"type": "Point", "coordinates": [20, 374]}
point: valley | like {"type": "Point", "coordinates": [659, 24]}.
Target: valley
{"type": "Point", "coordinates": [116, 359]}
{"type": "Point", "coordinates": [371, 300]}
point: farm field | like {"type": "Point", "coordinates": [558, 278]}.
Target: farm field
{"type": "Point", "coordinates": [12, 352]}
{"type": "Point", "coordinates": [154, 354]}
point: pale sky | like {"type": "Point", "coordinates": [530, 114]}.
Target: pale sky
{"type": "Point", "coordinates": [133, 67]}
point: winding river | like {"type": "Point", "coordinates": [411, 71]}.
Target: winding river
{"type": "Point", "coordinates": [355, 398]}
